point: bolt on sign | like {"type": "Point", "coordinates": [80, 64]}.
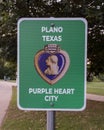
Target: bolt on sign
{"type": "Point", "coordinates": [51, 63]}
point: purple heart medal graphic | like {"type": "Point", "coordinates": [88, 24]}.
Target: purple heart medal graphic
{"type": "Point", "coordinates": [52, 63]}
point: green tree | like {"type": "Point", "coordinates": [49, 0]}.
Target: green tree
{"type": "Point", "coordinates": [93, 11]}
{"type": "Point", "coordinates": [95, 17]}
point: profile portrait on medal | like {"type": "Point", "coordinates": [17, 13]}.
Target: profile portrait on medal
{"type": "Point", "coordinates": [52, 65]}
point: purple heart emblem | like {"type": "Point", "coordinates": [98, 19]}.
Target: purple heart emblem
{"type": "Point", "coordinates": [51, 63]}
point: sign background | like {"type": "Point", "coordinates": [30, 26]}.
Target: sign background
{"type": "Point", "coordinates": [74, 42]}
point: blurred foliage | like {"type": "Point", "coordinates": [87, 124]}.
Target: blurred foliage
{"type": "Point", "coordinates": [93, 11]}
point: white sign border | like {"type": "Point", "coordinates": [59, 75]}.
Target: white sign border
{"type": "Point", "coordinates": [85, 64]}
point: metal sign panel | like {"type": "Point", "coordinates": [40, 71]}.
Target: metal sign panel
{"type": "Point", "coordinates": [51, 63]}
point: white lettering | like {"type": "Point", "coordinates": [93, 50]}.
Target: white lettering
{"type": "Point", "coordinates": [52, 29]}
{"type": "Point", "coordinates": [40, 90]}
{"type": "Point", "coordinates": [52, 38]}
{"type": "Point", "coordinates": [30, 90]}
{"type": "Point", "coordinates": [64, 91]}
{"type": "Point", "coordinates": [50, 91]}
{"type": "Point", "coordinates": [70, 91]}
{"type": "Point", "coordinates": [50, 98]}
{"type": "Point", "coordinates": [43, 29]}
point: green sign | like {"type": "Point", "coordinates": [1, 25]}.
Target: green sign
{"type": "Point", "coordinates": [51, 63]}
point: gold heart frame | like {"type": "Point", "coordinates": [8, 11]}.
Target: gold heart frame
{"type": "Point", "coordinates": [52, 49]}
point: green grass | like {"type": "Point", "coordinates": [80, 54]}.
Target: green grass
{"type": "Point", "coordinates": [12, 81]}
{"type": "Point", "coordinates": [96, 87]}
{"type": "Point", "coordinates": [92, 118]}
